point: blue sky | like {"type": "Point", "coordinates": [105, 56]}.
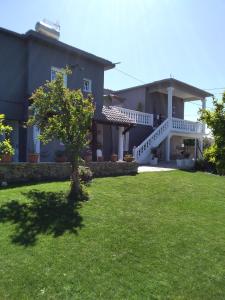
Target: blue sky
{"type": "Point", "coordinates": [153, 39]}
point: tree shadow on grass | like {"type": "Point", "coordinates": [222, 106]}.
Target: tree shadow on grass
{"type": "Point", "coordinates": [44, 213]}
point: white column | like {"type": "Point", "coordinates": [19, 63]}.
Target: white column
{"type": "Point", "coordinates": [36, 141]}
{"type": "Point", "coordinates": [168, 148]}
{"type": "Point", "coordinates": [170, 102]}
{"type": "Point", "coordinates": [126, 141]}
{"type": "Point", "coordinates": [120, 143]}
{"type": "Point", "coordinates": [201, 146]}
{"type": "Point", "coordinates": [195, 156]}
{"type": "Point", "coordinates": [203, 107]}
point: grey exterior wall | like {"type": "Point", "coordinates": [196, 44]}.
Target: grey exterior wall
{"type": "Point", "coordinates": [110, 138]}
{"type": "Point", "coordinates": [24, 66]}
{"type": "Point", "coordinates": [42, 57]}
{"type": "Point", "coordinates": [108, 146]}
{"type": "Point", "coordinates": [12, 76]}
{"type": "Point", "coordinates": [132, 99]}
{"type": "Point", "coordinates": [137, 135]}
{"type": "Point", "coordinates": [156, 103]}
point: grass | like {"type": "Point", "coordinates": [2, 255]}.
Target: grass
{"type": "Point", "coordinates": [151, 236]}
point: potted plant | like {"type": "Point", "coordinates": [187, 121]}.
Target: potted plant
{"type": "Point", "coordinates": [185, 162]}
{"type": "Point", "coordinates": [114, 157]}
{"type": "Point", "coordinates": [128, 158]}
{"type": "Point", "coordinates": [33, 157]}
{"type": "Point", "coordinates": [88, 155]}
{"type": "Point", "coordinates": [154, 157]}
{"type": "Point", "coordinates": [6, 151]}
{"type": "Point", "coordinates": [33, 153]}
{"type": "Point", "coordinates": [60, 156]}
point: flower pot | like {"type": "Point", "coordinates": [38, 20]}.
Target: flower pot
{"type": "Point", "coordinates": [60, 159]}
{"type": "Point", "coordinates": [185, 164]}
{"type": "Point", "coordinates": [114, 157]}
{"type": "Point", "coordinates": [154, 161]}
{"type": "Point", "coordinates": [6, 158]}
{"type": "Point", "coordinates": [128, 158]}
{"type": "Point", "coordinates": [33, 158]}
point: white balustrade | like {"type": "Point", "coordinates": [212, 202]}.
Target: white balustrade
{"type": "Point", "coordinates": [161, 132]}
{"type": "Point", "coordinates": [186, 126]}
{"type": "Point", "coordinates": [155, 138]}
{"type": "Point", "coordinates": [136, 117]}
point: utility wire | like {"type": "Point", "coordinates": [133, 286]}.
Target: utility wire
{"type": "Point", "coordinates": [129, 75]}
{"type": "Point", "coordinates": [222, 88]}
{"type": "Point", "coordinates": [141, 81]}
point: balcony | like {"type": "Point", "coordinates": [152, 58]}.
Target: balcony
{"type": "Point", "coordinates": [185, 126]}
{"type": "Point", "coordinates": [136, 117]}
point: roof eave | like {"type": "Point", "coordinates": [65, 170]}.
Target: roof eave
{"type": "Point", "coordinates": [56, 43]}
{"type": "Point", "coordinates": [170, 82]}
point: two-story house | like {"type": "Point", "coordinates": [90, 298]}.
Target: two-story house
{"type": "Point", "coordinates": [26, 62]}
{"type": "Point", "coordinates": [157, 110]}
{"type": "Point", "coordinates": [136, 119]}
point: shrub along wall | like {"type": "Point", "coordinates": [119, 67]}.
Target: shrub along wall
{"type": "Point", "coordinates": [26, 172]}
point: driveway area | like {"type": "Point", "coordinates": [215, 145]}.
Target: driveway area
{"type": "Point", "coordinates": [159, 168]}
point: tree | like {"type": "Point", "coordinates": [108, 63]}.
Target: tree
{"type": "Point", "coordinates": [215, 121]}
{"type": "Point", "coordinates": [65, 115]}
{"type": "Point", "coordinates": [5, 143]}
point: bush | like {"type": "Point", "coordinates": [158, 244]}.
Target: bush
{"type": "Point", "coordinates": [216, 157]}
{"type": "Point", "coordinates": [205, 166]}
{"type": "Point", "coordinates": [6, 148]}
{"type": "Point", "coordinates": [215, 120]}
{"type": "Point", "coordinates": [5, 143]}
{"type": "Point", "coordinates": [85, 174]}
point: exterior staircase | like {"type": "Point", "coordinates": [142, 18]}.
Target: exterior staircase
{"type": "Point", "coordinates": [143, 151]}
{"type": "Point", "coordinates": [171, 126]}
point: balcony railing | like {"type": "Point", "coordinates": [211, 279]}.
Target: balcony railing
{"type": "Point", "coordinates": [186, 126]}
{"type": "Point", "coordinates": [136, 117]}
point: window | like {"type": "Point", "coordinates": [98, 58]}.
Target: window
{"type": "Point", "coordinates": [54, 71]}
{"type": "Point", "coordinates": [87, 85]}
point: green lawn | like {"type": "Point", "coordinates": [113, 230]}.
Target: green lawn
{"type": "Point", "coordinates": [151, 236]}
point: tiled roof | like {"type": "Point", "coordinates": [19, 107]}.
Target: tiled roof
{"type": "Point", "coordinates": [110, 114]}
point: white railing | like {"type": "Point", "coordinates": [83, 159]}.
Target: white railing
{"type": "Point", "coordinates": [136, 117]}
{"type": "Point", "coordinates": [186, 126]}
{"type": "Point", "coordinates": [153, 140]}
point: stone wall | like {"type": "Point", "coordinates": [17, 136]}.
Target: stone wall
{"type": "Point", "coordinates": [108, 168]}
{"type": "Point", "coordinates": [27, 172]}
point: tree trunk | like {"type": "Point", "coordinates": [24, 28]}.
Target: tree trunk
{"type": "Point", "coordinates": [75, 186]}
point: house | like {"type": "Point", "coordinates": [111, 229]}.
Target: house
{"type": "Point", "coordinates": [136, 119]}
{"type": "Point", "coordinates": [26, 62]}
{"type": "Point", "coordinates": [157, 110]}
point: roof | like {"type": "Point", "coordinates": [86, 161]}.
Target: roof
{"type": "Point", "coordinates": [108, 91]}
{"type": "Point", "coordinates": [171, 82]}
{"type": "Point", "coordinates": [31, 34]}
{"type": "Point", "coordinates": [110, 114]}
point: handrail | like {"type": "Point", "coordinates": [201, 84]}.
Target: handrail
{"type": "Point", "coordinates": [186, 126]}
{"type": "Point", "coordinates": [135, 116]}
{"type": "Point", "coordinates": [156, 136]}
